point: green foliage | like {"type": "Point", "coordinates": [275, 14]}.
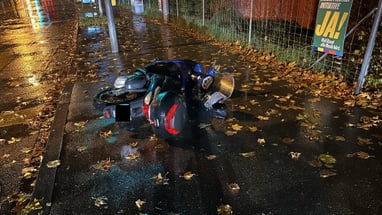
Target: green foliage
{"type": "Point", "coordinates": [88, 21]}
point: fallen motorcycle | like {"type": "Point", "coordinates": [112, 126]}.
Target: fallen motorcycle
{"type": "Point", "coordinates": [168, 93]}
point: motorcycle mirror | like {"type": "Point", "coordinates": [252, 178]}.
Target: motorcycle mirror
{"type": "Point", "coordinates": [211, 70]}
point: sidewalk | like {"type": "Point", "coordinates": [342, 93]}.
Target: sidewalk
{"type": "Point", "coordinates": [279, 152]}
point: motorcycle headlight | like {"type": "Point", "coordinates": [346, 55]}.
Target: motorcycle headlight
{"type": "Point", "coordinates": [120, 81]}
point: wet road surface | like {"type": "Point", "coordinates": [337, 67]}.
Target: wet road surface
{"type": "Point", "coordinates": [35, 38]}
{"type": "Point", "coordinates": [279, 152]}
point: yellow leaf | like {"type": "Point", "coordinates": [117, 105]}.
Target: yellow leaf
{"type": "Point", "coordinates": [230, 133]}
{"type": "Point", "coordinates": [188, 175]}
{"type": "Point", "coordinates": [315, 163]}
{"type": "Point", "coordinates": [261, 141]}
{"type": "Point", "coordinates": [292, 64]}
{"type": "Point", "coordinates": [363, 155]}
{"type": "Point", "coordinates": [106, 134]}
{"type": "Point", "coordinates": [134, 144]}
{"type": "Point", "coordinates": [340, 138]}
{"type": "Point", "coordinates": [225, 210]}
{"type": "Point", "coordinates": [211, 157]}
{"type": "Point", "coordinates": [364, 141]}
{"type": "Point", "coordinates": [253, 129]}
{"type": "Point", "coordinates": [14, 140]}
{"type": "Point", "coordinates": [325, 173]}
{"type": "Point", "coordinates": [237, 127]}
{"type": "Point", "coordinates": [234, 187]}
{"type": "Point", "coordinates": [295, 155]}
{"type": "Point", "coordinates": [160, 180]}
{"type": "Point", "coordinates": [81, 148]}
{"type": "Point", "coordinates": [133, 156]}
{"type": "Point", "coordinates": [327, 159]}
{"type": "Point", "coordinates": [139, 203]}
{"type": "Point", "coordinates": [80, 124]}
{"type": "Point", "coordinates": [53, 164]}
{"type": "Point", "coordinates": [263, 117]}
{"type": "Point", "coordinates": [253, 102]}
{"type": "Point", "coordinates": [247, 154]}
{"type": "Point", "coordinates": [100, 201]}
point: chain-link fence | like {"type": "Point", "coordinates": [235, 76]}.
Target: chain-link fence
{"type": "Point", "coordinates": [283, 27]}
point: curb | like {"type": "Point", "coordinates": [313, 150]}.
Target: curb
{"type": "Point", "coordinates": [44, 187]}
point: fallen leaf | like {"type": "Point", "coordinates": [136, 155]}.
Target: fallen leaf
{"type": "Point", "coordinates": [364, 141]}
{"type": "Point", "coordinates": [328, 160]}
{"type": "Point", "coordinates": [364, 155]}
{"type": "Point", "coordinates": [301, 116]}
{"type": "Point", "coordinates": [101, 201]}
{"type": "Point", "coordinates": [153, 138]}
{"type": "Point", "coordinates": [211, 157]}
{"type": "Point", "coordinates": [133, 156]}
{"type": "Point", "coordinates": [106, 134]}
{"type": "Point", "coordinates": [252, 129]}
{"type": "Point", "coordinates": [80, 124]}
{"type": "Point", "coordinates": [234, 187]}
{"type": "Point", "coordinates": [225, 209]}
{"type": "Point", "coordinates": [264, 118]}
{"type": "Point", "coordinates": [104, 165]}
{"type": "Point", "coordinates": [230, 133]}
{"type": "Point", "coordinates": [295, 155]}
{"type": "Point", "coordinates": [247, 154]}
{"type": "Point", "coordinates": [325, 173]}
{"type": "Point", "coordinates": [288, 140]}
{"type": "Point", "coordinates": [134, 144]}
{"type": "Point", "coordinates": [53, 164]}
{"type": "Point", "coordinates": [28, 175]}
{"type": "Point", "coordinates": [315, 163]}
{"type": "Point", "coordinates": [261, 141]}
{"type": "Point", "coordinates": [81, 148]}
{"type": "Point", "coordinates": [5, 156]}
{"type": "Point", "coordinates": [32, 206]}
{"type": "Point", "coordinates": [139, 203]}
{"type": "Point", "coordinates": [14, 140]}
{"type": "Point", "coordinates": [340, 138]}
{"type": "Point", "coordinates": [188, 175]}
{"type": "Point", "coordinates": [253, 102]}
{"type": "Point", "coordinates": [160, 180]}
{"type": "Point", "coordinates": [237, 127]}
{"type": "Point", "coordinates": [26, 150]}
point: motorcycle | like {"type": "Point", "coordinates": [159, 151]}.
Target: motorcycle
{"type": "Point", "coordinates": [168, 93]}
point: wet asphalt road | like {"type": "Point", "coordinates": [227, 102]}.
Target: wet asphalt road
{"type": "Point", "coordinates": [35, 39]}
{"type": "Point", "coordinates": [275, 167]}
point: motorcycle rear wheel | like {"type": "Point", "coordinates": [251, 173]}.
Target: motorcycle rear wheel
{"type": "Point", "coordinates": [107, 97]}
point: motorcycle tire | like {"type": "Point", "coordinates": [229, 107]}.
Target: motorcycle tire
{"type": "Point", "coordinates": [106, 98]}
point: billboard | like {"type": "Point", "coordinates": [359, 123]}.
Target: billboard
{"type": "Point", "coordinates": [331, 24]}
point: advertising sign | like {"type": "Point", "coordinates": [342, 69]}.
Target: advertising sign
{"type": "Point", "coordinates": [331, 24]}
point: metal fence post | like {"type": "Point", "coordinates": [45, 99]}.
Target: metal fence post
{"type": "Point", "coordinates": [100, 7]}
{"type": "Point", "coordinates": [250, 24]}
{"type": "Point", "coordinates": [203, 12]}
{"type": "Point", "coordinates": [111, 24]}
{"type": "Point", "coordinates": [369, 49]}
{"type": "Point", "coordinates": [165, 10]}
